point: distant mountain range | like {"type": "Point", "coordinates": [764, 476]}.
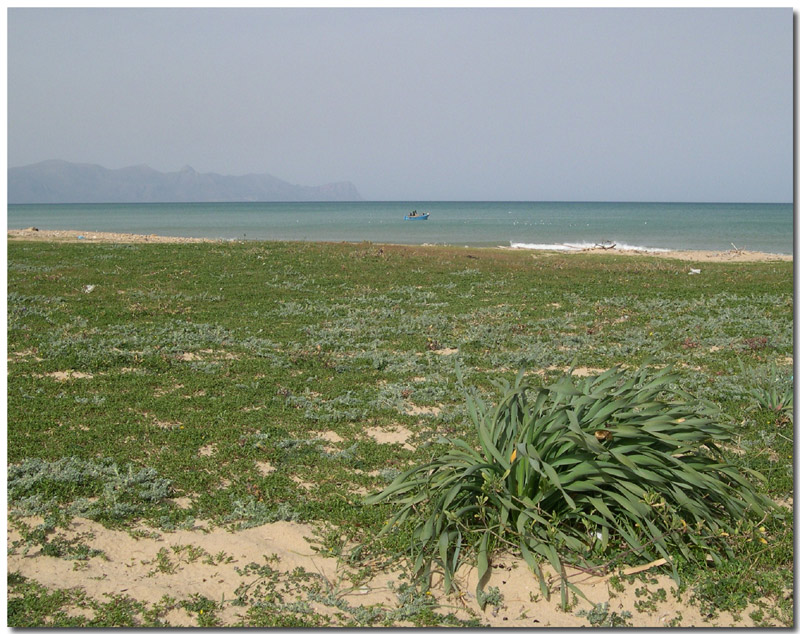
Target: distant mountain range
{"type": "Point", "coordinates": [63, 182]}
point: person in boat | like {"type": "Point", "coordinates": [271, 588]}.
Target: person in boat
{"type": "Point", "coordinates": [413, 213]}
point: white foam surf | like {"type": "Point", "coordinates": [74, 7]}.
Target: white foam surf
{"type": "Point", "coordinates": [581, 246]}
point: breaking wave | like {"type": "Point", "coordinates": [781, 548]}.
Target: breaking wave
{"type": "Point", "coordinates": [581, 246]}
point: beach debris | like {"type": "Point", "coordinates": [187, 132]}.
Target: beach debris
{"type": "Point", "coordinates": [637, 569]}
{"type": "Point", "coordinates": [694, 271]}
{"type": "Point", "coordinates": [81, 238]}
{"type": "Point", "coordinates": [88, 288]}
{"type": "Point", "coordinates": [32, 229]}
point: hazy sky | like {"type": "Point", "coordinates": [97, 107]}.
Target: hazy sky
{"type": "Point", "coordinates": [418, 104]}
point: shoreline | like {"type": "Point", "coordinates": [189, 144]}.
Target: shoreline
{"type": "Point", "coordinates": [71, 235]}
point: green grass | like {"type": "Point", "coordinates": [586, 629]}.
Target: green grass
{"type": "Point", "coordinates": [209, 359]}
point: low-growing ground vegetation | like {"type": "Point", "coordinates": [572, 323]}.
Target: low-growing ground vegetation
{"type": "Point", "coordinates": [155, 388]}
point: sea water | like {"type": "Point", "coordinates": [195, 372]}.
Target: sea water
{"type": "Point", "coordinates": [534, 225]}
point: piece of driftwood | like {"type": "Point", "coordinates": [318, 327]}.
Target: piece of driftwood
{"type": "Point", "coordinates": [634, 570]}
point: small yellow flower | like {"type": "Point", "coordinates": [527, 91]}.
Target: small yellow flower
{"type": "Point", "coordinates": [513, 455]}
{"type": "Point", "coordinates": [761, 529]}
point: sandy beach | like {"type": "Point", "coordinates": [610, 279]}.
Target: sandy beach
{"type": "Point", "coordinates": [732, 255]}
{"type": "Point", "coordinates": [32, 233]}
{"type": "Point", "coordinates": [129, 568]}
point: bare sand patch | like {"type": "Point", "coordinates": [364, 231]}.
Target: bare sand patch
{"type": "Point", "coordinates": [207, 450]}
{"type": "Point", "coordinates": [391, 435]}
{"type": "Point", "coordinates": [265, 468]}
{"type": "Point", "coordinates": [205, 562]}
{"type": "Point", "coordinates": [162, 391]}
{"type": "Point", "coordinates": [131, 570]}
{"type": "Point", "coordinates": [523, 605]}
{"type": "Point", "coordinates": [163, 424]}
{"type": "Point", "coordinates": [587, 371]}
{"type": "Point", "coordinates": [424, 410]}
{"type": "Point", "coordinates": [329, 436]}
{"type": "Point", "coordinates": [66, 375]}
{"type": "Point", "coordinates": [357, 489]}
{"type": "Point", "coordinates": [446, 351]}
{"type": "Point", "coordinates": [182, 502]}
{"type": "Point", "coordinates": [23, 355]}
{"type": "Point", "coordinates": [76, 611]}
{"type": "Point", "coordinates": [306, 485]}
{"type": "Point", "coordinates": [579, 371]}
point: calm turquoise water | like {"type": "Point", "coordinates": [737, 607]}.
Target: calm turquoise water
{"type": "Point", "coordinates": [756, 227]}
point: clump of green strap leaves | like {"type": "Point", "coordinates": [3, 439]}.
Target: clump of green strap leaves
{"type": "Point", "coordinates": [572, 473]}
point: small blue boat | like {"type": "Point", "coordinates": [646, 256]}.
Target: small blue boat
{"type": "Point", "coordinates": [414, 216]}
